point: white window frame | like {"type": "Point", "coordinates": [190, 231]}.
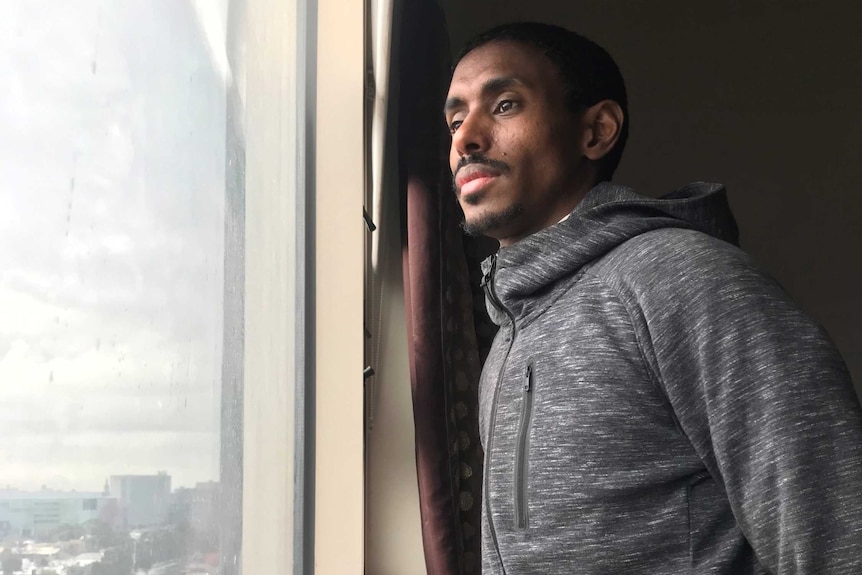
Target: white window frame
{"type": "Point", "coordinates": [303, 387]}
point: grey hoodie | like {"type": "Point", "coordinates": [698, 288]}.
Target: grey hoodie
{"type": "Point", "coordinates": [654, 403]}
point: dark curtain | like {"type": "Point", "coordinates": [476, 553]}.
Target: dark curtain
{"type": "Point", "coordinates": [440, 297]}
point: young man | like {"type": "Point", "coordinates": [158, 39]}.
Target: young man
{"type": "Point", "coordinates": [653, 403]}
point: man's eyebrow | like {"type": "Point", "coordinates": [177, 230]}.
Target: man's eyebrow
{"type": "Point", "coordinates": [453, 103]}
{"type": "Point", "coordinates": [492, 86]}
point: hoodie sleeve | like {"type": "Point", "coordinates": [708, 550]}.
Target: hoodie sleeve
{"type": "Point", "coordinates": [764, 397]}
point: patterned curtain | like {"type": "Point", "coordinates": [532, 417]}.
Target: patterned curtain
{"type": "Point", "coordinates": [445, 307]}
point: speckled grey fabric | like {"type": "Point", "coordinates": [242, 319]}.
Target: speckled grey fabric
{"type": "Point", "coordinates": [654, 403]}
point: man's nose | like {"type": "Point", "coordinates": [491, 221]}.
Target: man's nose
{"type": "Point", "coordinates": [472, 136]}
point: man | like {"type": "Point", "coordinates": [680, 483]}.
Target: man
{"type": "Point", "coordinates": [653, 403]}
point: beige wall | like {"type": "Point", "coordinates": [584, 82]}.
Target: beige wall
{"type": "Point", "coordinates": [393, 544]}
{"type": "Point", "coordinates": [339, 175]}
{"type": "Point", "coordinates": [761, 96]}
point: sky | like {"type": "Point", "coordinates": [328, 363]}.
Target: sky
{"type": "Point", "coordinates": [112, 162]}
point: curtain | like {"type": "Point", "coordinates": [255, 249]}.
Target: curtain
{"type": "Point", "coordinates": [439, 297]}
{"type": "Point", "coordinates": [448, 329]}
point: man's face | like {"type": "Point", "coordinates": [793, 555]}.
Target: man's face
{"type": "Point", "coordinates": [515, 156]}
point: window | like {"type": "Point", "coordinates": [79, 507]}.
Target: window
{"type": "Point", "coordinates": [112, 157]}
{"type": "Point", "coordinates": [182, 329]}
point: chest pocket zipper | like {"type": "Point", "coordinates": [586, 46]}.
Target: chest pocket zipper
{"type": "Point", "coordinates": [522, 449]}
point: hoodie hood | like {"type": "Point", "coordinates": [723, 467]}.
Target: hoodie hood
{"type": "Point", "coordinates": [608, 216]}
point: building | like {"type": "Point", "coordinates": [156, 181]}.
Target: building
{"type": "Point", "coordinates": [144, 499]}
{"type": "Point", "coordinates": [197, 506]}
{"type": "Point", "coordinates": [36, 514]}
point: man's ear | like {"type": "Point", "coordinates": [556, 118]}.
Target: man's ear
{"type": "Point", "coordinates": [602, 124]}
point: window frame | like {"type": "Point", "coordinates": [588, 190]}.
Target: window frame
{"type": "Point", "coordinates": [302, 87]}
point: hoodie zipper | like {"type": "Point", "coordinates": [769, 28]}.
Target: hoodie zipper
{"type": "Point", "coordinates": [491, 294]}
{"type": "Point", "coordinates": [522, 450]}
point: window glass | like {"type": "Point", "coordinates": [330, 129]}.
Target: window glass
{"type": "Point", "coordinates": [112, 286]}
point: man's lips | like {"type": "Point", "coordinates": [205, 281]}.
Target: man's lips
{"type": "Point", "coordinates": [474, 185]}
{"type": "Point", "coordinates": [473, 177]}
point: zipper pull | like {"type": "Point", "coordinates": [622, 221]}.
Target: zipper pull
{"type": "Point", "coordinates": [488, 276]}
{"type": "Point", "coordinates": [528, 378]}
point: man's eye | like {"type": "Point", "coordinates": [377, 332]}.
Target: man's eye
{"type": "Point", "coordinates": [453, 127]}
{"type": "Point", "coordinates": [504, 106]}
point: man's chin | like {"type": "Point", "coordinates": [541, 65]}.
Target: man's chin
{"type": "Point", "coordinates": [473, 230]}
{"type": "Point", "coordinates": [492, 224]}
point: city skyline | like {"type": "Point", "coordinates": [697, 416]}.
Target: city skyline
{"type": "Point", "coordinates": [7, 489]}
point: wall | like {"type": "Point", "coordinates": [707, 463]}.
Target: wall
{"type": "Point", "coordinates": [393, 544]}
{"type": "Point", "coordinates": [761, 96]}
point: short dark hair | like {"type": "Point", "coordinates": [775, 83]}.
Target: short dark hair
{"type": "Point", "coordinates": [588, 72]}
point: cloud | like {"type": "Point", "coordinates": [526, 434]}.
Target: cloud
{"type": "Point", "coordinates": [112, 134]}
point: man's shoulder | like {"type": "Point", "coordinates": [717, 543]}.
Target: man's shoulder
{"type": "Point", "coordinates": [677, 260]}
{"type": "Point", "coordinates": [685, 283]}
